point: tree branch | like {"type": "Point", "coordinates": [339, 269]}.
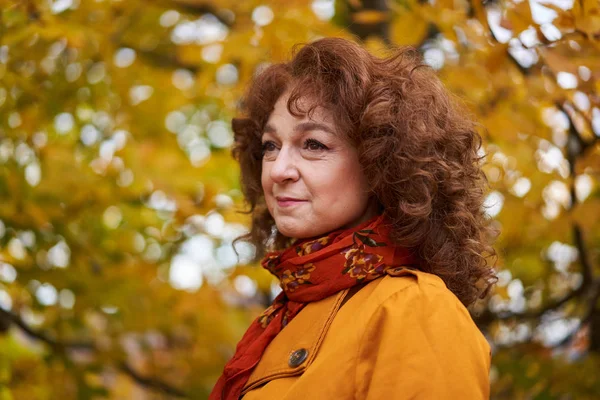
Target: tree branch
{"type": "Point", "coordinates": [585, 319]}
{"type": "Point", "coordinates": [379, 28]}
{"type": "Point", "coordinates": [586, 266]}
{"type": "Point", "coordinates": [196, 7]}
{"type": "Point", "coordinates": [488, 316]}
{"type": "Point", "coordinates": [568, 109]}
{"type": "Point", "coordinates": [151, 382]}
{"type": "Point", "coordinates": [8, 318]}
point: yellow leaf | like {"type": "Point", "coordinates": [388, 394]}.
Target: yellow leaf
{"type": "Point", "coordinates": [408, 29]}
{"type": "Point", "coordinates": [369, 17]}
{"type": "Point", "coordinates": [587, 16]}
{"type": "Point", "coordinates": [519, 17]}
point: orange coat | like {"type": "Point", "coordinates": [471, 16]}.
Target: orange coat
{"type": "Point", "coordinates": [406, 337]}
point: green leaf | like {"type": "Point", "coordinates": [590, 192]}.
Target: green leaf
{"type": "Point", "coordinates": [366, 240]}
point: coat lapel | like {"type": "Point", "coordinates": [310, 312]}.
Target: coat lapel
{"type": "Point", "coordinates": [305, 331]}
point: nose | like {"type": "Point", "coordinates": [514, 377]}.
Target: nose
{"type": "Point", "coordinates": [284, 167]}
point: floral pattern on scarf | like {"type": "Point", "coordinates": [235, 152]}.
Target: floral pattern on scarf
{"type": "Point", "coordinates": [291, 280]}
{"type": "Point", "coordinates": [312, 246]}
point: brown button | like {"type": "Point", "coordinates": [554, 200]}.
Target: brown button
{"type": "Point", "coordinates": [297, 357]}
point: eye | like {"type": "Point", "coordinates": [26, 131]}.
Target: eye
{"type": "Point", "coordinates": [267, 146]}
{"type": "Point", "coordinates": [312, 144]}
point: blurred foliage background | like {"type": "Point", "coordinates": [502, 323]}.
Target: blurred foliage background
{"type": "Point", "coordinates": [119, 200]}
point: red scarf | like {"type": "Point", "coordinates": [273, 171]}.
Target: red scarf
{"type": "Point", "coordinates": [310, 270]}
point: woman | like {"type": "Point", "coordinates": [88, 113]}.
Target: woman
{"type": "Point", "coordinates": [366, 195]}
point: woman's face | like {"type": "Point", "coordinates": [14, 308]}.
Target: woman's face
{"type": "Point", "coordinates": [308, 161]}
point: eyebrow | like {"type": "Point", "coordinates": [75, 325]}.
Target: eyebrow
{"type": "Point", "coordinates": [302, 127]}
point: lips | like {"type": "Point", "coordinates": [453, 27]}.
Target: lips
{"type": "Point", "coordinates": [282, 198]}
{"type": "Point", "coordinates": [288, 201]}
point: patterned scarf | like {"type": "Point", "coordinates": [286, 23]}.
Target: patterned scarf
{"type": "Point", "coordinates": [310, 270]}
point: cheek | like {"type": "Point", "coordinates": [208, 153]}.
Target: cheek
{"type": "Point", "coordinates": [341, 180]}
{"type": "Point", "coordinates": [353, 170]}
{"type": "Point", "coordinates": [267, 188]}
{"type": "Point", "coordinates": [264, 180]}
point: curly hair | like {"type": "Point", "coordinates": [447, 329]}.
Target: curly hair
{"type": "Point", "coordinates": [417, 145]}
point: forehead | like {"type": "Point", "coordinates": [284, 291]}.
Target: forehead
{"type": "Point", "coordinates": [318, 114]}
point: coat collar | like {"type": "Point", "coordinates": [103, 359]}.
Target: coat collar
{"type": "Point", "coordinates": [305, 331]}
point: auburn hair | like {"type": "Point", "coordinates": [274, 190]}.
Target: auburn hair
{"type": "Point", "coordinates": [417, 143]}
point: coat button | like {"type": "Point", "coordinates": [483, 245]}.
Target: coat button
{"type": "Point", "coordinates": [297, 357]}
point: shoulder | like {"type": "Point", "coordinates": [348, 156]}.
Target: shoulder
{"type": "Point", "coordinates": [419, 305]}
{"type": "Point", "coordinates": [406, 283]}
{"type": "Point", "coordinates": [415, 327]}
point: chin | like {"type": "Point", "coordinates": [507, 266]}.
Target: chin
{"type": "Point", "coordinates": [291, 230]}
{"type": "Point", "coordinates": [298, 232]}
{"type": "Point", "coordinates": [292, 233]}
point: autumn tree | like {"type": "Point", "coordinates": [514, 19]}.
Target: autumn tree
{"type": "Point", "coordinates": [119, 199]}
